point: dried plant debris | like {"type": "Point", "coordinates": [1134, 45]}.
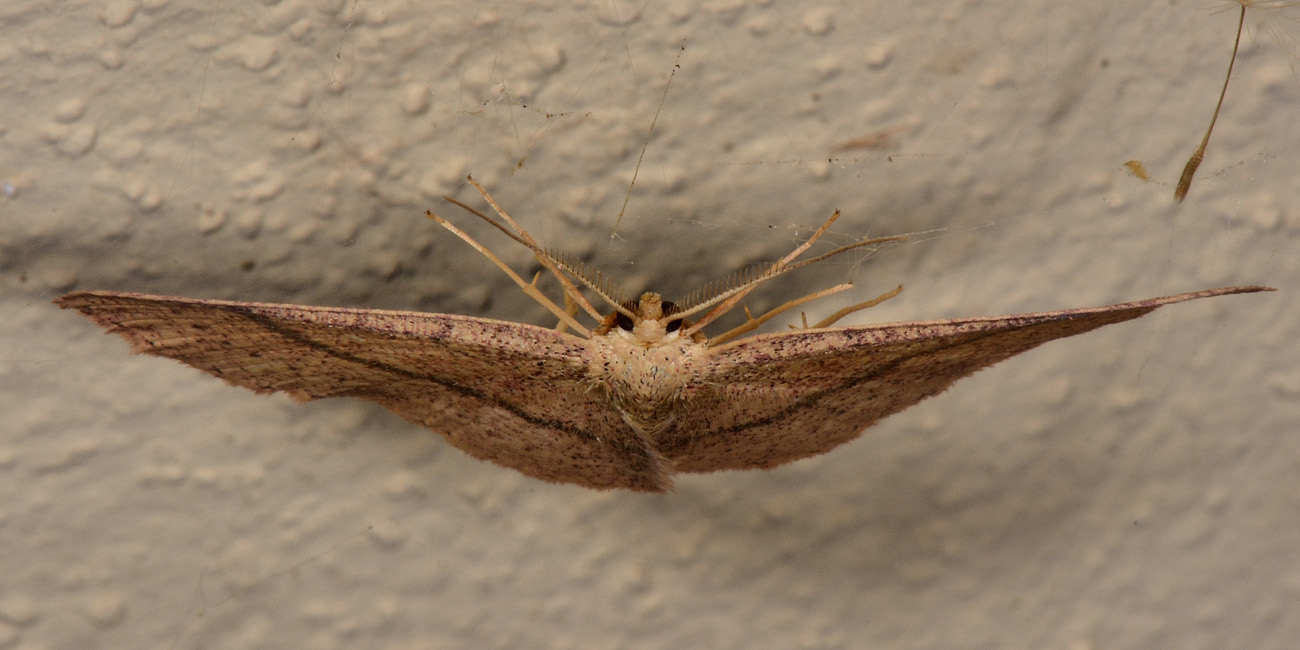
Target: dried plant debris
{"type": "Point", "coordinates": [1194, 162]}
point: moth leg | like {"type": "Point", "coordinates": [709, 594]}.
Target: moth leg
{"type": "Point", "coordinates": [529, 288]}
{"type": "Point", "coordinates": [830, 320]}
{"type": "Point", "coordinates": [564, 270]}
{"type": "Point", "coordinates": [727, 300]}
{"type": "Point", "coordinates": [570, 306]}
{"type": "Point", "coordinates": [752, 323]}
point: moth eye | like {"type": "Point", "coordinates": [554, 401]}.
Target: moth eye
{"type": "Point", "coordinates": [674, 325]}
{"type": "Point", "coordinates": [623, 322]}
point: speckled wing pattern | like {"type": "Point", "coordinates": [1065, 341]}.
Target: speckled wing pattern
{"type": "Point", "coordinates": [515, 394]}
{"type": "Point", "coordinates": [791, 395]}
{"type": "Point", "coordinates": [524, 396]}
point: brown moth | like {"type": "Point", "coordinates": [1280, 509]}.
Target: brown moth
{"type": "Point", "coordinates": [626, 404]}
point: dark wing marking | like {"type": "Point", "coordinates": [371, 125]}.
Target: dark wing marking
{"type": "Point", "coordinates": [516, 395]}
{"type": "Point", "coordinates": [775, 398]}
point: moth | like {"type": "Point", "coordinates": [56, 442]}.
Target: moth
{"type": "Point", "coordinates": [641, 395]}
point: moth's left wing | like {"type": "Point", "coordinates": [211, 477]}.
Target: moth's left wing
{"type": "Point", "coordinates": [517, 395]}
{"type": "Point", "coordinates": [775, 398]}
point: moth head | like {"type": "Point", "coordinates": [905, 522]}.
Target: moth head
{"type": "Point", "coordinates": [649, 320]}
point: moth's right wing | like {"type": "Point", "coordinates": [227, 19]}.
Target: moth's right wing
{"type": "Point", "coordinates": [775, 398]}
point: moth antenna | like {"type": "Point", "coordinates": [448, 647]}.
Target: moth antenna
{"type": "Point", "coordinates": [560, 265]}
{"type": "Point", "coordinates": [727, 300]}
{"type": "Point", "coordinates": [744, 289]}
{"type": "Point", "coordinates": [713, 288]}
{"type": "Point", "coordinates": [570, 291]}
{"type": "Point", "coordinates": [520, 235]}
{"type": "Point", "coordinates": [592, 279]}
{"type": "Point", "coordinates": [529, 288]}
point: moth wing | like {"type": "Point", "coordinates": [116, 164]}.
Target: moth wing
{"type": "Point", "coordinates": [516, 395]}
{"type": "Point", "coordinates": [774, 398]}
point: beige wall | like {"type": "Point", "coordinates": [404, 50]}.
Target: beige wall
{"type": "Point", "coordinates": [1133, 488]}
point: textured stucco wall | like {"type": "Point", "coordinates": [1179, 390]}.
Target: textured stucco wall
{"type": "Point", "coordinates": [1133, 488]}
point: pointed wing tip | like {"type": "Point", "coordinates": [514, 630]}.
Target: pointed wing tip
{"type": "Point", "coordinates": [1211, 293]}
{"type": "Point", "coordinates": [82, 301]}
{"type": "Point", "coordinates": [1252, 288]}
{"type": "Point", "coordinates": [91, 304]}
{"type": "Point", "coordinates": [68, 300]}
{"type": "Point", "coordinates": [79, 299]}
